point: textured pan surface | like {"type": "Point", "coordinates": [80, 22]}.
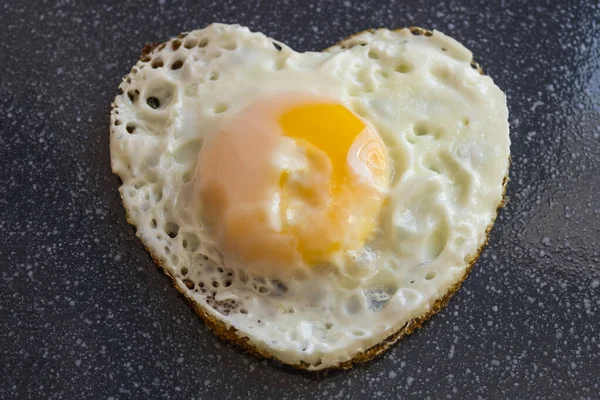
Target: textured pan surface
{"type": "Point", "coordinates": [80, 322]}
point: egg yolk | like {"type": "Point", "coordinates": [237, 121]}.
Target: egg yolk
{"type": "Point", "coordinates": [292, 179]}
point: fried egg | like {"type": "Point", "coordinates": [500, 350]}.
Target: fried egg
{"type": "Point", "coordinates": [314, 207]}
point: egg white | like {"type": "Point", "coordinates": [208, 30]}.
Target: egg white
{"type": "Point", "coordinates": [446, 131]}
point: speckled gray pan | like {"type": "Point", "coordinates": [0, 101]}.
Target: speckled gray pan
{"type": "Point", "coordinates": [85, 313]}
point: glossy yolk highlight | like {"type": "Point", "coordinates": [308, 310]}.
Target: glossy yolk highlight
{"type": "Point", "coordinates": [291, 180]}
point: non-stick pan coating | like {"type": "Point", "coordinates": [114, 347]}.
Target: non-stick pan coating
{"type": "Point", "coordinates": [85, 314]}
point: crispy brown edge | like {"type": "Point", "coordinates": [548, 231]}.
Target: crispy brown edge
{"type": "Point", "coordinates": [230, 334]}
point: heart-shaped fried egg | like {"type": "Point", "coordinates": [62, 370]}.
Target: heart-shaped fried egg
{"type": "Point", "coordinates": [311, 205]}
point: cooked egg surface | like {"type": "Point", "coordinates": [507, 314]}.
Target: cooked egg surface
{"type": "Point", "coordinates": [316, 202]}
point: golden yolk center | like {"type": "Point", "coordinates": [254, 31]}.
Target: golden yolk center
{"type": "Point", "coordinates": [325, 198]}
{"type": "Point", "coordinates": [331, 128]}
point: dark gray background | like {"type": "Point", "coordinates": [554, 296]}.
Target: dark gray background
{"type": "Point", "coordinates": [86, 314]}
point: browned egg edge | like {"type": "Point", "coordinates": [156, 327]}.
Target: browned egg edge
{"type": "Point", "coordinates": [230, 334]}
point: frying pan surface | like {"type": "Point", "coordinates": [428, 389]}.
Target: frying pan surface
{"type": "Point", "coordinates": [85, 314]}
